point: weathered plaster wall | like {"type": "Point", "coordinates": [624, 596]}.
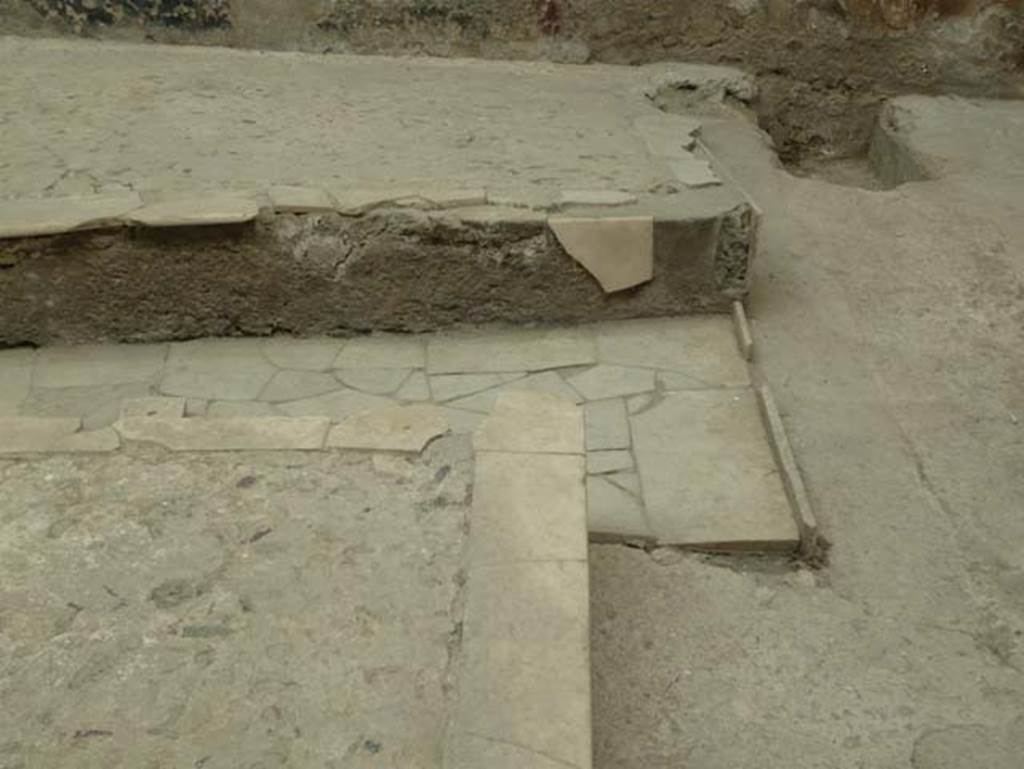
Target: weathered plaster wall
{"type": "Point", "coordinates": [823, 65]}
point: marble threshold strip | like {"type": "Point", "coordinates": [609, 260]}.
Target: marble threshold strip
{"type": "Point", "coordinates": [162, 421]}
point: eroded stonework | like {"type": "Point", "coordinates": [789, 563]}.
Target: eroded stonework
{"type": "Point", "coordinates": [189, 14]}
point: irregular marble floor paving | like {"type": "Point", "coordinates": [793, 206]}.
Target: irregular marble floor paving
{"type": "Point", "coordinates": [676, 452]}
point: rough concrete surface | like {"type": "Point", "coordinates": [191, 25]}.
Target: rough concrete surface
{"type": "Point", "coordinates": [888, 325]}
{"type": "Point", "coordinates": [230, 610]}
{"type": "Point", "coordinates": [204, 119]}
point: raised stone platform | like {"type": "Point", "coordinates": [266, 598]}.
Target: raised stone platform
{"type": "Point", "coordinates": [157, 193]}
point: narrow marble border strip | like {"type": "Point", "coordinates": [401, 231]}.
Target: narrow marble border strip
{"type": "Point", "coordinates": [197, 210]}
{"type": "Point", "coordinates": [228, 433]}
{"type": "Point", "coordinates": [744, 338]}
{"type": "Point", "coordinates": [531, 422]}
{"type": "Point", "coordinates": [524, 665]}
{"type": "Point", "coordinates": [811, 542]}
{"type": "Point", "coordinates": [52, 435]}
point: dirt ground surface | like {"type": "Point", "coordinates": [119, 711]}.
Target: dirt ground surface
{"type": "Point", "coordinates": [889, 324]}
{"type": "Point", "coordinates": [824, 65]}
{"type": "Point", "coordinates": [229, 610]}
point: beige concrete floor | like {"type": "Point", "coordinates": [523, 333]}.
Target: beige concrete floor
{"type": "Point", "coordinates": [889, 324]}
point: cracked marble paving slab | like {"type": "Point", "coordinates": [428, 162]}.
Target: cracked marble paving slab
{"type": "Point", "coordinates": [392, 428]}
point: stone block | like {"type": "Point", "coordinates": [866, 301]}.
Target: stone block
{"type": "Point", "coordinates": [531, 422]}
{"type": "Point", "coordinates": [570, 198]}
{"type": "Point", "coordinates": [355, 200]}
{"type": "Point", "coordinates": [803, 513]}
{"type": "Point", "coordinates": [702, 349]}
{"type": "Point", "coordinates": [629, 481]}
{"type": "Point", "coordinates": [608, 381]}
{"type": "Point", "coordinates": [741, 326]}
{"type": "Point", "coordinates": [223, 409]}
{"type": "Point", "coordinates": [228, 434]}
{"type": "Point", "coordinates": [336, 405]}
{"type": "Point", "coordinates": [462, 422]}
{"type": "Point", "coordinates": [415, 388]}
{"type": "Point", "coordinates": [544, 382]}
{"type": "Point", "coordinates": [613, 513]}
{"type": "Point", "coordinates": [608, 461]}
{"type": "Point", "coordinates": [379, 381]}
{"type": "Point", "coordinates": [315, 354]}
{"type": "Point", "coordinates": [668, 136]}
{"type": "Point", "coordinates": [167, 408]}
{"type": "Point", "coordinates": [196, 407]}
{"type": "Point", "coordinates": [292, 385]}
{"type": "Point", "coordinates": [15, 378]}
{"type": "Point", "coordinates": [23, 435]}
{"type": "Point", "coordinates": [446, 387]}
{"type": "Point", "coordinates": [524, 350]}
{"type": "Point", "coordinates": [525, 678]}
{"type": "Point", "coordinates": [708, 475]}
{"type": "Point", "coordinates": [300, 200]}
{"type": "Point", "coordinates": [381, 351]}
{"type": "Point", "coordinates": [197, 210]}
{"type": "Point", "coordinates": [98, 364]}
{"type": "Point", "coordinates": [607, 426]}
{"type": "Point", "coordinates": [220, 369]}
{"type": "Point", "coordinates": [98, 406]}
{"type": "Point", "coordinates": [392, 428]}
{"type": "Point", "coordinates": [472, 751]}
{"type": "Point", "coordinates": [527, 507]}
{"type": "Point", "coordinates": [694, 172]}
{"type": "Point", "coordinates": [443, 197]}
{"type": "Point", "coordinates": [37, 428]}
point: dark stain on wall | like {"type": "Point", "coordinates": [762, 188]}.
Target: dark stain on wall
{"type": "Point", "coordinates": [469, 17]}
{"type": "Point", "coordinates": [185, 14]}
{"type": "Point", "coordinates": [549, 17]}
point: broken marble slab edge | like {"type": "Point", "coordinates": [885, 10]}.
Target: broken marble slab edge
{"type": "Point", "coordinates": [597, 537]}
{"type": "Point", "coordinates": [38, 217]}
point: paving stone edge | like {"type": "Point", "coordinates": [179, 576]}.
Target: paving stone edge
{"type": "Point", "coordinates": [56, 216]}
{"type": "Point", "coordinates": [812, 543]}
